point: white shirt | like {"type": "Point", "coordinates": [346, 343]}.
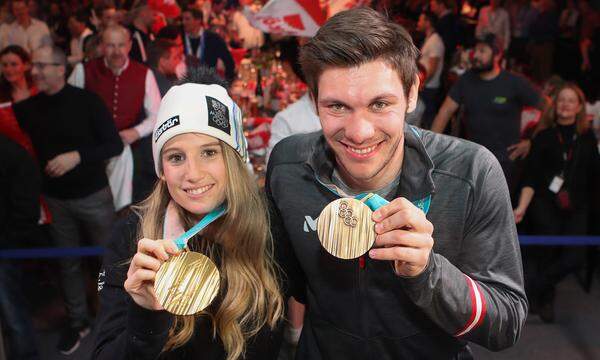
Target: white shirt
{"type": "Point", "coordinates": [298, 118]}
{"type": "Point", "coordinates": [151, 96]}
{"type": "Point", "coordinates": [31, 38]}
{"type": "Point", "coordinates": [76, 47]}
{"type": "Point", "coordinates": [495, 22]}
{"type": "Point", "coordinates": [433, 47]}
{"type": "Point", "coordinates": [250, 36]}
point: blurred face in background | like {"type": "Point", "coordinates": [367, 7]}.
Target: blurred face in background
{"type": "Point", "coordinates": [75, 27]}
{"type": "Point", "coordinates": [13, 68]}
{"type": "Point", "coordinates": [567, 104]}
{"type": "Point", "coordinates": [146, 15]}
{"type": "Point", "coordinates": [47, 73]}
{"type": "Point", "coordinates": [109, 17]}
{"type": "Point", "coordinates": [191, 25]}
{"type": "Point", "coordinates": [483, 58]}
{"type": "Point", "coordinates": [116, 45]}
{"type": "Point", "coordinates": [168, 63]}
{"type": "Point", "coordinates": [20, 11]}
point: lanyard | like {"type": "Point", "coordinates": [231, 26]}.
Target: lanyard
{"type": "Point", "coordinates": [200, 51]}
{"type": "Point", "coordinates": [567, 155]}
{"type": "Point", "coordinates": [182, 240]}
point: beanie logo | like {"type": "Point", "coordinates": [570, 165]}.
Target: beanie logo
{"type": "Point", "coordinates": [169, 123]}
{"type": "Point", "coordinates": [218, 115]}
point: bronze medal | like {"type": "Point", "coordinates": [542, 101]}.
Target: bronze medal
{"type": "Point", "coordinates": [187, 283]}
{"type": "Point", "coordinates": [345, 228]}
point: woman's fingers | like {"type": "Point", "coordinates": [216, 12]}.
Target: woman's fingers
{"type": "Point", "coordinates": [141, 260]}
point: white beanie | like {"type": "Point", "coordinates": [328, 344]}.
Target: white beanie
{"type": "Point", "coordinates": [197, 108]}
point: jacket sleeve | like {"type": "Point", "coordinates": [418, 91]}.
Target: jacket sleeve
{"type": "Point", "coordinates": [293, 280]}
{"type": "Point", "coordinates": [125, 330]}
{"type": "Point", "coordinates": [533, 172]}
{"type": "Point", "coordinates": [480, 298]}
{"type": "Point", "coordinates": [108, 143]}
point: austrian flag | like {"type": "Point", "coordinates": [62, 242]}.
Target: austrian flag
{"type": "Point", "coordinates": [288, 17]}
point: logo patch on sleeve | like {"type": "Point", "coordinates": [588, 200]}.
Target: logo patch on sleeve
{"type": "Point", "coordinates": [218, 115]}
{"type": "Point", "coordinates": [169, 123]}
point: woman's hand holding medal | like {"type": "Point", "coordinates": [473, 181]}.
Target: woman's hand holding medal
{"type": "Point", "coordinates": [151, 254]}
{"type": "Point", "coordinates": [404, 235]}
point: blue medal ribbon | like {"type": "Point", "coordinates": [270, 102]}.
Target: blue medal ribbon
{"type": "Point", "coordinates": [209, 218]}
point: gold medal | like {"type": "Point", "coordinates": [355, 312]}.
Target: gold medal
{"type": "Point", "coordinates": [345, 228]}
{"type": "Point", "coordinates": [187, 283]}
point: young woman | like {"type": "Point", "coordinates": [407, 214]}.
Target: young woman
{"type": "Point", "coordinates": [561, 185]}
{"type": "Point", "coordinates": [15, 85]}
{"type": "Point", "coordinates": [199, 153]}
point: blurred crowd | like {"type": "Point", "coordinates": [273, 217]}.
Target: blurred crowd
{"type": "Point", "coordinates": [81, 83]}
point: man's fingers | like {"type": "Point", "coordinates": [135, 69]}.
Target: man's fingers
{"type": "Point", "coordinates": [399, 253]}
{"type": "Point", "coordinates": [401, 216]}
{"type": "Point", "coordinates": [403, 238]}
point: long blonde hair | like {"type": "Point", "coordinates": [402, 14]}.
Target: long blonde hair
{"type": "Point", "coordinates": [249, 296]}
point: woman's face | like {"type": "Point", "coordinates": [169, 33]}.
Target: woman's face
{"type": "Point", "coordinates": [194, 170]}
{"type": "Point", "coordinates": [567, 104]}
{"type": "Point", "coordinates": [13, 68]}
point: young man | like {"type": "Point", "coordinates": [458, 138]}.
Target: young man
{"type": "Point", "coordinates": [206, 46]}
{"type": "Point", "coordinates": [419, 293]}
{"type": "Point", "coordinates": [73, 136]}
{"type": "Point", "coordinates": [493, 100]}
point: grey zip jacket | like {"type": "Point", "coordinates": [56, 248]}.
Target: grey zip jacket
{"type": "Point", "coordinates": [470, 291]}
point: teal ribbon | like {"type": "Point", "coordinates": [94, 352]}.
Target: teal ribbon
{"type": "Point", "coordinates": [182, 240]}
{"type": "Point", "coordinates": [375, 201]}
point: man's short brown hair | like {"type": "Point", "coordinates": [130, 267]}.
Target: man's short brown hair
{"type": "Point", "coordinates": [354, 37]}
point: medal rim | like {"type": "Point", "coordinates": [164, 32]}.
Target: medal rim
{"type": "Point", "coordinates": [214, 275]}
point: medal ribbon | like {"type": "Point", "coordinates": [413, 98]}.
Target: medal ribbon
{"type": "Point", "coordinates": [374, 201]}
{"type": "Point", "coordinates": [209, 218]}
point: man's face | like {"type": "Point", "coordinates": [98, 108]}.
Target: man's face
{"type": "Point", "coordinates": [147, 16]}
{"type": "Point", "coordinates": [116, 47]}
{"type": "Point", "coordinates": [422, 23]}
{"type": "Point", "coordinates": [109, 17]}
{"type": "Point", "coordinates": [190, 24]}
{"type": "Point", "coordinates": [433, 5]}
{"type": "Point", "coordinates": [46, 73]}
{"type": "Point", "coordinates": [169, 63]}
{"type": "Point", "coordinates": [20, 10]}
{"type": "Point", "coordinates": [362, 111]}
{"type": "Point", "coordinates": [483, 58]}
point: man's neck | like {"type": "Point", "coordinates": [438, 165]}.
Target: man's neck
{"type": "Point", "coordinates": [26, 22]}
{"type": "Point", "coordinates": [195, 33]}
{"type": "Point", "coordinates": [444, 13]}
{"type": "Point", "coordinates": [116, 70]}
{"type": "Point", "coordinates": [20, 85]}
{"type": "Point", "coordinates": [429, 31]}
{"type": "Point", "coordinates": [565, 121]}
{"type": "Point", "coordinates": [492, 74]}
{"type": "Point", "coordinates": [55, 88]}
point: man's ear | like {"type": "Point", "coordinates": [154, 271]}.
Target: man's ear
{"type": "Point", "coordinates": [413, 95]}
{"type": "Point", "coordinates": [313, 100]}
